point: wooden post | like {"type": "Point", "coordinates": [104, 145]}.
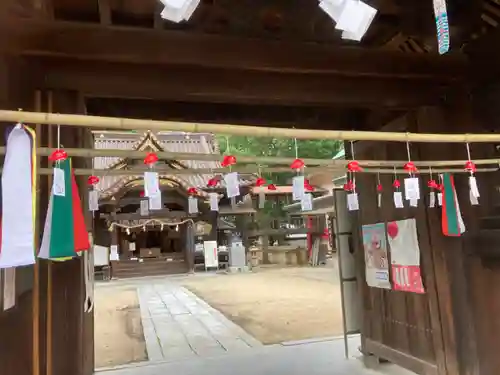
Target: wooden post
{"type": "Point", "coordinates": [36, 268]}
{"type": "Point", "coordinates": [49, 368]}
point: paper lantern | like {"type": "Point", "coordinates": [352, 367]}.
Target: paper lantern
{"type": "Point", "coordinates": [58, 155]}
{"type": "Point", "coordinates": [150, 159]}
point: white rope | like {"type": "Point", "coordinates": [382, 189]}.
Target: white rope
{"type": "Point", "coordinates": [147, 222]}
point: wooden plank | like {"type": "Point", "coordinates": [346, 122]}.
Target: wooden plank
{"type": "Point", "coordinates": [402, 359]}
{"type": "Point", "coordinates": [217, 85]}
{"type": "Point", "coordinates": [143, 46]}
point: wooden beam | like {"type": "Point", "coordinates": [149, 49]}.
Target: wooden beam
{"type": "Point", "coordinates": [160, 214]}
{"type": "Point", "coordinates": [149, 46]}
{"type": "Point", "coordinates": [234, 86]}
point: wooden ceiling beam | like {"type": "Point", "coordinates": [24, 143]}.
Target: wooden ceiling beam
{"type": "Point", "coordinates": [232, 86]}
{"type": "Point", "coordinates": [90, 42]}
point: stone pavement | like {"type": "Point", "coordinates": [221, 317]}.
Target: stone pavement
{"type": "Point", "coordinates": [179, 325]}
{"type": "Point", "coordinates": [313, 358]}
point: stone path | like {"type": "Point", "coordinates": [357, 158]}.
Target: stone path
{"type": "Point", "coordinates": [319, 358]}
{"type": "Point", "coordinates": [178, 325]}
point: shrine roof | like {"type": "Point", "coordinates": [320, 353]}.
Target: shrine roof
{"type": "Point", "coordinates": [201, 143]}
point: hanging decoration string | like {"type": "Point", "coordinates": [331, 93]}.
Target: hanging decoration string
{"type": "Point", "coordinates": [147, 222]}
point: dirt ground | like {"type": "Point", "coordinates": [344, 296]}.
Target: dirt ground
{"type": "Point", "coordinates": [119, 338]}
{"type": "Point", "coordinates": [277, 305]}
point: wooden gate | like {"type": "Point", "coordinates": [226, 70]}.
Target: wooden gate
{"type": "Point", "coordinates": [403, 328]}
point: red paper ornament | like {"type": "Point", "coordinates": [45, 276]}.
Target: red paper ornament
{"type": "Point", "coordinates": [192, 191]}
{"type": "Point", "coordinates": [380, 188]}
{"type": "Point", "coordinates": [142, 194]}
{"type": "Point", "coordinates": [228, 160]}
{"type": "Point", "coordinates": [349, 186]}
{"type": "Point", "coordinates": [410, 167]}
{"type": "Point", "coordinates": [93, 180]}
{"type": "Point", "coordinates": [150, 158]}
{"type": "Point", "coordinates": [307, 185]}
{"type": "Point", "coordinates": [392, 229]}
{"type": "Point", "coordinates": [271, 187]}
{"type": "Point", "coordinates": [212, 182]}
{"type": "Point", "coordinates": [470, 166]}
{"type": "Point", "coordinates": [297, 164]}
{"type": "Point", "coordinates": [58, 155]}
{"type": "Point", "coordinates": [440, 187]}
{"type": "Point", "coordinates": [261, 181]}
{"type": "Point", "coordinates": [353, 166]}
{"type": "Point", "coordinates": [432, 184]}
{"type": "Point", "coordinates": [396, 184]}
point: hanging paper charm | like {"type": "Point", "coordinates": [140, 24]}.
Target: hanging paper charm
{"type": "Point", "coordinates": [379, 191]}
{"type": "Point", "coordinates": [442, 26]}
{"type": "Point", "coordinates": [471, 168]}
{"type": "Point", "coordinates": [213, 182]}
{"type": "Point", "coordinates": [397, 195]}
{"type": "Point", "coordinates": [192, 191]}
{"type": "Point", "coordinates": [93, 180]}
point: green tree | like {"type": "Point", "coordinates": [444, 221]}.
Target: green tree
{"type": "Point", "coordinates": [278, 147]}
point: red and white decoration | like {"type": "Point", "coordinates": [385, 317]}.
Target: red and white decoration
{"type": "Point", "coordinates": [471, 168]}
{"type": "Point", "coordinates": [405, 256]}
{"type": "Point", "coordinates": [92, 181]}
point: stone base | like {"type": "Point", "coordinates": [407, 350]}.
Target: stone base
{"type": "Point", "coordinates": [238, 269]}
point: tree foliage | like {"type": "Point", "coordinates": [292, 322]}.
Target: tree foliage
{"type": "Point", "coordinates": [278, 147]}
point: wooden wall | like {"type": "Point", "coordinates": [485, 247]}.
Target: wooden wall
{"type": "Point", "coordinates": [32, 343]}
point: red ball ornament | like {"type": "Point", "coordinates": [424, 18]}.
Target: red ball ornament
{"type": "Point", "coordinates": [271, 187]}
{"type": "Point", "coordinates": [150, 158]}
{"type": "Point", "coordinates": [142, 194]}
{"type": "Point", "coordinates": [58, 155]}
{"type": "Point", "coordinates": [396, 184]}
{"type": "Point", "coordinates": [380, 188]}
{"type": "Point", "coordinates": [354, 166]}
{"type": "Point", "coordinates": [297, 164]}
{"type": "Point", "coordinates": [470, 166]}
{"type": "Point", "coordinates": [192, 191]}
{"type": "Point", "coordinates": [261, 181]}
{"type": "Point", "coordinates": [93, 180]}
{"type": "Point", "coordinates": [392, 229]}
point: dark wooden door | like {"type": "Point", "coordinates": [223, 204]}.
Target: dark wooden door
{"type": "Point", "coordinates": [403, 328]}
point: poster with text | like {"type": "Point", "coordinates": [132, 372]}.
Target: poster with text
{"type": "Point", "coordinates": [405, 256]}
{"type": "Point", "coordinates": [376, 261]}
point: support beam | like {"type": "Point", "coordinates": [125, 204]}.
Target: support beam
{"type": "Point", "coordinates": [149, 46]}
{"type": "Point", "coordinates": [161, 214]}
{"type": "Point", "coordinates": [192, 84]}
